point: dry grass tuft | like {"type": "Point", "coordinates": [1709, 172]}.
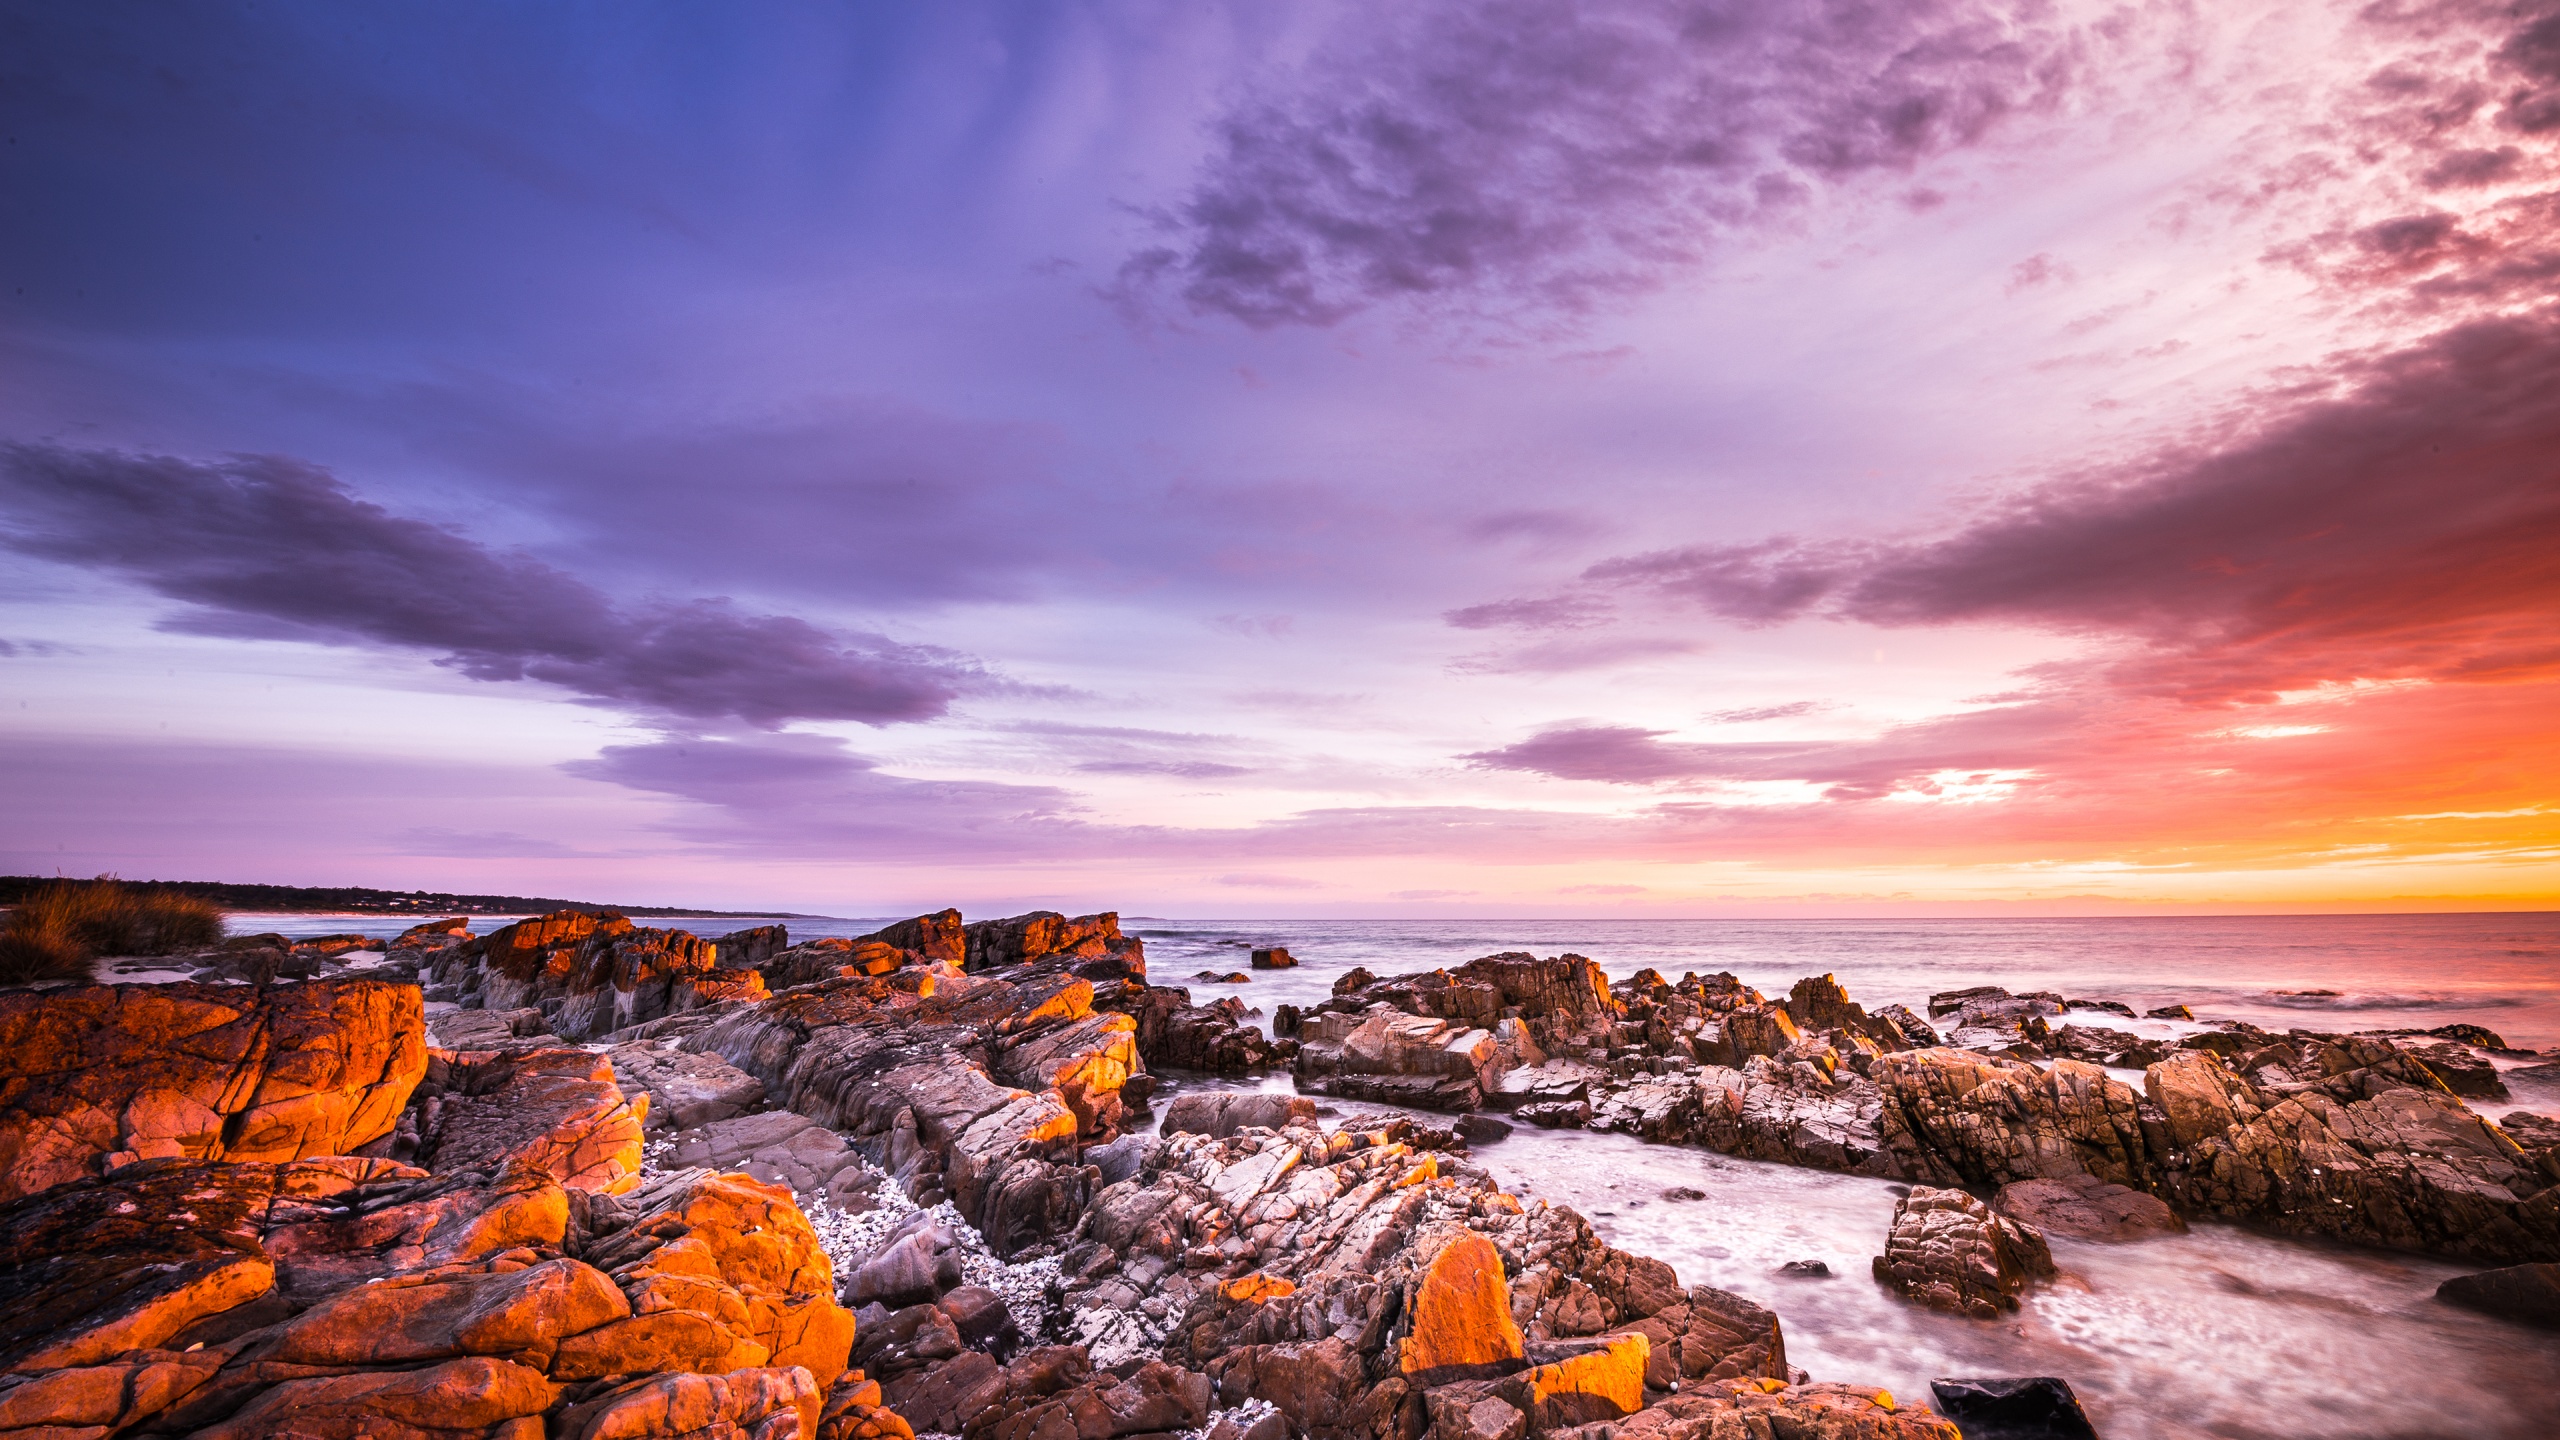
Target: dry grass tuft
{"type": "Point", "coordinates": [59, 932]}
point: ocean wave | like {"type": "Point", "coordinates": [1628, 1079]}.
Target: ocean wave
{"type": "Point", "coordinates": [2356, 1000]}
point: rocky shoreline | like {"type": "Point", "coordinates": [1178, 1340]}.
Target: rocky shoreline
{"type": "Point", "coordinates": [630, 1181]}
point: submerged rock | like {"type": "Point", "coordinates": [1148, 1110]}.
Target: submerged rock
{"type": "Point", "coordinates": [2528, 1294]}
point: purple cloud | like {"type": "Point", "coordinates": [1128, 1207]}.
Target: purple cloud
{"type": "Point", "coordinates": [269, 548]}
{"type": "Point", "coordinates": [2402, 524]}
{"type": "Point", "coordinates": [1508, 154]}
{"type": "Point", "coordinates": [1557, 612]}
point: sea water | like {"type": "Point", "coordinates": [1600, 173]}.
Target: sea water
{"type": "Point", "coordinates": [2223, 1332]}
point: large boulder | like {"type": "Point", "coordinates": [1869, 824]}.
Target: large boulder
{"type": "Point", "coordinates": [1950, 1252]}
{"type": "Point", "coordinates": [590, 973]}
{"type": "Point", "coordinates": [104, 1075]}
{"type": "Point", "coordinates": [1954, 1116]}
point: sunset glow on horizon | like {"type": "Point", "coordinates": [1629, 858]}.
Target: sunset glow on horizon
{"type": "Point", "coordinates": [1637, 458]}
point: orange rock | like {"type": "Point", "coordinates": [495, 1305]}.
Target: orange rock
{"type": "Point", "coordinates": [470, 1395]}
{"type": "Point", "coordinates": [1258, 1287]}
{"type": "Point", "coordinates": [111, 1397]}
{"type": "Point", "coordinates": [148, 1315]}
{"type": "Point", "coordinates": [684, 1340]}
{"type": "Point", "coordinates": [739, 1403]}
{"type": "Point", "coordinates": [102, 1075]}
{"type": "Point", "coordinates": [1462, 1313]}
{"type": "Point", "coordinates": [523, 1312]}
{"type": "Point", "coordinates": [1603, 1382]}
{"type": "Point", "coordinates": [553, 1112]}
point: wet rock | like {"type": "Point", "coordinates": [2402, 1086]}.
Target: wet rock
{"type": "Point", "coordinates": [2112, 1007]}
{"type": "Point", "coordinates": [1954, 1116]}
{"type": "Point", "coordinates": [1482, 1129]}
{"type": "Point", "coordinates": [2373, 1150]}
{"type": "Point", "coordinates": [1215, 1037]}
{"type": "Point", "coordinates": [1221, 1113]}
{"type": "Point", "coordinates": [1805, 1270]}
{"type": "Point", "coordinates": [2462, 1072]}
{"type": "Point", "coordinates": [2040, 1408]}
{"type": "Point", "coordinates": [2169, 1012]}
{"type": "Point", "coordinates": [2527, 1294]}
{"type": "Point", "coordinates": [1950, 1252]}
{"type": "Point", "coordinates": [1275, 958]}
{"type": "Point", "coordinates": [2085, 1207]}
{"type": "Point", "coordinates": [97, 1076]}
{"type": "Point", "coordinates": [1232, 977]}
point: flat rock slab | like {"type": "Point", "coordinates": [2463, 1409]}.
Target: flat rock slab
{"type": "Point", "coordinates": [2527, 1294]}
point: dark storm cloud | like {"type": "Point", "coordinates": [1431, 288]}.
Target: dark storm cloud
{"type": "Point", "coordinates": [1536, 154]}
{"type": "Point", "coordinates": [270, 548]}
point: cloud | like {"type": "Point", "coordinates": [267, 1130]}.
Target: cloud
{"type": "Point", "coordinates": [2403, 524]}
{"type": "Point", "coordinates": [1430, 894]}
{"type": "Point", "coordinates": [1601, 890]}
{"type": "Point", "coordinates": [801, 794]}
{"type": "Point", "coordinates": [1501, 155]}
{"type": "Point", "coordinates": [1254, 627]}
{"type": "Point", "coordinates": [1559, 612]}
{"type": "Point", "coordinates": [1270, 882]}
{"type": "Point", "coordinates": [1181, 769]}
{"type": "Point", "coordinates": [264, 547]}
{"type": "Point", "coordinates": [1749, 714]}
{"type": "Point", "coordinates": [1563, 656]}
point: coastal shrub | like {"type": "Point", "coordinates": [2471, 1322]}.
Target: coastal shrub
{"type": "Point", "coordinates": [58, 932]}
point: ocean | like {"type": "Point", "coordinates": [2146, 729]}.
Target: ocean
{"type": "Point", "coordinates": [2223, 1332]}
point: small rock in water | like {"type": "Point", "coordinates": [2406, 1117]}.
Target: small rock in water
{"type": "Point", "coordinates": [2038, 1408]}
{"type": "Point", "coordinates": [1805, 1270]}
{"type": "Point", "coordinates": [1274, 958]}
{"type": "Point", "coordinates": [2529, 1294]}
{"type": "Point", "coordinates": [2112, 1007]}
{"type": "Point", "coordinates": [1683, 1192]}
{"type": "Point", "coordinates": [2169, 1012]}
{"type": "Point", "coordinates": [1481, 1129]}
{"type": "Point", "coordinates": [1232, 977]}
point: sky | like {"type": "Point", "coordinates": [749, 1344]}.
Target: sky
{"type": "Point", "coordinates": [1802, 457]}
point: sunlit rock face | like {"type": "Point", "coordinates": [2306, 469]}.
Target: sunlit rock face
{"type": "Point", "coordinates": [105, 1075]}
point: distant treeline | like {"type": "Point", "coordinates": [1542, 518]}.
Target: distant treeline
{"type": "Point", "coordinates": [14, 889]}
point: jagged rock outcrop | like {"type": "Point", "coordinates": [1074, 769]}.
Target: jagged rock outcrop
{"type": "Point", "coordinates": [590, 973]}
{"type": "Point", "coordinates": [1093, 941]}
{"type": "Point", "coordinates": [781, 1148]}
{"type": "Point", "coordinates": [684, 1089]}
{"type": "Point", "coordinates": [1955, 1116]}
{"type": "Point", "coordinates": [2348, 1137]}
{"type": "Point", "coordinates": [98, 1076]}
{"type": "Point", "coordinates": [1174, 1033]}
{"type": "Point", "coordinates": [1951, 1252]}
{"type": "Point", "coordinates": [345, 1296]}
{"type": "Point", "coordinates": [973, 1087]}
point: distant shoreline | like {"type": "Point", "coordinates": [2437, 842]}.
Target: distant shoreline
{"type": "Point", "coordinates": [363, 900]}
